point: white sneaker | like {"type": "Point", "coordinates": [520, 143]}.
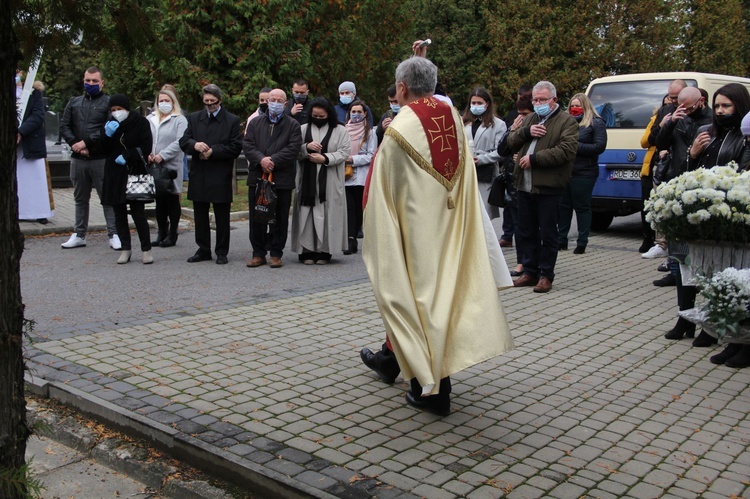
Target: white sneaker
{"type": "Point", "coordinates": [114, 242]}
{"type": "Point", "coordinates": [656, 251]}
{"type": "Point", "coordinates": [74, 242]}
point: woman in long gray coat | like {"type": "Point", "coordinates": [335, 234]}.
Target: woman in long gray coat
{"type": "Point", "coordinates": [167, 127]}
{"type": "Point", "coordinates": [319, 216]}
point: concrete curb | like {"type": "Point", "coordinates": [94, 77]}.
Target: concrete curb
{"type": "Point", "coordinates": [205, 457]}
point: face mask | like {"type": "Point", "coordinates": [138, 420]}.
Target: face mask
{"type": "Point", "coordinates": [120, 115]}
{"type": "Point", "coordinates": [357, 118]}
{"type": "Point", "coordinates": [575, 111]}
{"type": "Point", "coordinates": [542, 110]}
{"type": "Point", "coordinates": [478, 110]}
{"type": "Point", "coordinates": [18, 79]}
{"type": "Point", "coordinates": [300, 98]}
{"type": "Point", "coordinates": [275, 108]}
{"type": "Point", "coordinates": [263, 108]}
{"type": "Point", "coordinates": [727, 120]}
{"type": "Point", "coordinates": [395, 108]}
{"type": "Point", "coordinates": [165, 107]}
{"type": "Point", "coordinates": [346, 99]}
{"type": "Point", "coordinates": [91, 89]}
{"type": "Point", "coordinates": [319, 122]}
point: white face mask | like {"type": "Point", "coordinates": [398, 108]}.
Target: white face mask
{"type": "Point", "coordinates": [120, 115]}
{"type": "Point", "coordinates": [165, 107]}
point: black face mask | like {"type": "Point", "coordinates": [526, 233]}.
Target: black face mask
{"type": "Point", "coordinates": [727, 120]}
{"type": "Point", "coordinates": [319, 122]}
{"type": "Point", "coordinates": [263, 108]}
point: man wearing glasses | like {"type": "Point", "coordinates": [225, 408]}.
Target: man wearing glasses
{"type": "Point", "coordinates": [546, 143]}
{"type": "Point", "coordinates": [213, 139]}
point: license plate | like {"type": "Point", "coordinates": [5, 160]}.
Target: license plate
{"type": "Point", "coordinates": [629, 174]}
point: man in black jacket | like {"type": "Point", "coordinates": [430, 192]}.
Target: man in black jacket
{"type": "Point", "coordinates": [81, 128]}
{"type": "Point", "coordinates": [271, 145]}
{"type": "Point", "coordinates": [214, 140]}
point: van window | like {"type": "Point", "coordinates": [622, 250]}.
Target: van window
{"type": "Point", "coordinates": [629, 104]}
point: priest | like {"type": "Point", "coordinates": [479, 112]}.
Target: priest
{"type": "Point", "coordinates": [431, 253]}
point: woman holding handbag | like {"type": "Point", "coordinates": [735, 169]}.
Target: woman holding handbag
{"type": "Point", "coordinates": [127, 141]}
{"type": "Point", "coordinates": [364, 142]}
{"type": "Point", "coordinates": [167, 127]}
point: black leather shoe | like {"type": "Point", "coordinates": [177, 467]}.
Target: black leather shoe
{"type": "Point", "coordinates": [563, 247]}
{"type": "Point", "coordinates": [385, 367]}
{"type": "Point", "coordinates": [704, 340]}
{"type": "Point", "coordinates": [667, 280]}
{"type": "Point", "coordinates": [580, 250]}
{"type": "Point", "coordinates": [646, 245]}
{"type": "Point", "coordinates": [729, 351]}
{"type": "Point", "coordinates": [740, 359]}
{"type": "Point", "coordinates": [440, 405]}
{"type": "Point", "coordinates": [221, 260]}
{"type": "Point", "coordinates": [683, 329]}
{"type": "Point", "coordinates": [169, 241]}
{"type": "Point", "coordinates": [663, 266]}
{"type": "Point", "coordinates": [198, 257]}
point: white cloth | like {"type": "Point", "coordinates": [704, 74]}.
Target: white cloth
{"type": "Point", "coordinates": [33, 196]}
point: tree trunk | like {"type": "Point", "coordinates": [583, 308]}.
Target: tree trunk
{"type": "Point", "coordinates": [13, 429]}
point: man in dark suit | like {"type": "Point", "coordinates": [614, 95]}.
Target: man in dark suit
{"type": "Point", "coordinates": [214, 140]}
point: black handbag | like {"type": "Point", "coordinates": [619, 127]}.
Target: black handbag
{"type": "Point", "coordinates": [265, 200]}
{"type": "Point", "coordinates": [163, 178]}
{"type": "Point", "coordinates": [661, 169]}
{"type": "Point", "coordinates": [497, 192]}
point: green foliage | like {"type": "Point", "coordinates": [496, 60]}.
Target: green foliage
{"type": "Point", "coordinates": [20, 482]}
{"type": "Point", "coordinates": [718, 40]}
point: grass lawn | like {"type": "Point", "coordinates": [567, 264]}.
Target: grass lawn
{"type": "Point", "coordinates": [239, 203]}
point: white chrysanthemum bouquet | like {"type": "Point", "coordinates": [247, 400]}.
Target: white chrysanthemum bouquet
{"type": "Point", "coordinates": [726, 302]}
{"type": "Point", "coordinates": [704, 204]}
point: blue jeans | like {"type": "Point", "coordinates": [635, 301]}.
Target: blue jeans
{"type": "Point", "coordinates": [577, 197]}
{"type": "Point", "coordinates": [538, 215]}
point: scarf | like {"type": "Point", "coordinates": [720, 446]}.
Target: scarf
{"type": "Point", "coordinates": [356, 135]}
{"type": "Point", "coordinates": [309, 170]}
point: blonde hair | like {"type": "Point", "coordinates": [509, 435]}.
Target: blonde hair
{"type": "Point", "coordinates": [176, 109]}
{"type": "Point", "coordinates": [589, 112]}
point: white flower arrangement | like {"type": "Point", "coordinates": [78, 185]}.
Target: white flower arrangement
{"type": "Point", "coordinates": [726, 302]}
{"type": "Point", "coordinates": [704, 204]}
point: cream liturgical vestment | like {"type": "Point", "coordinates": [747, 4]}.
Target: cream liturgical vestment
{"type": "Point", "coordinates": [430, 249]}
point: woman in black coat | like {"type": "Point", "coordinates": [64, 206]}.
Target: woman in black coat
{"type": "Point", "coordinates": [127, 142]}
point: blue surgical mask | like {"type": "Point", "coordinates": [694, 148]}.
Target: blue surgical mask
{"type": "Point", "coordinates": [275, 108]}
{"type": "Point", "coordinates": [543, 109]}
{"type": "Point", "coordinates": [357, 118]}
{"type": "Point", "coordinates": [91, 89]}
{"type": "Point", "coordinates": [395, 108]}
{"type": "Point", "coordinates": [478, 110]}
{"type": "Point", "coordinates": [18, 79]}
{"type": "Point", "coordinates": [346, 99]}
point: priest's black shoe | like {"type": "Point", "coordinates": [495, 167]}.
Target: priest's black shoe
{"type": "Point", "coordinates": [729, 351]}
{"type": "Point", "coordinates": [199, 257]}
{"type": "Point", "coordinates": [221, 259]}
{"type": "Point", "coordinates": [437, 406]}
{"type": "Point", "coordinates": [383, 363]}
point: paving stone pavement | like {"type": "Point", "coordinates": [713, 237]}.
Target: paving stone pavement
{"type": "Point", "coordinates": [592, 402]}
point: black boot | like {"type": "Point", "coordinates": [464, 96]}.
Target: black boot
{"type": "Point", "coordinates": [439, 404]}
{"type": "Point", "coordinates": [740, 359]}
{"type": "Point", "coordinates": [170, 240]}
{"type": "Point", "coordinates": [159, 238]}
{"type": "Point", "coordinates": [704, 340]}
{"type": "Point", "coordinates": [729, 351]}
{"type": "Point", "coordinates": [685, 300]}
{"type": "Point", "coordinates": [682, 329]}
{"type": "Point", "coordinates": [352, 244]}
{"type": "Point", "coordinates": [383, 363]}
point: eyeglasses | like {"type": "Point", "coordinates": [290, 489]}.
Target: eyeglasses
{"type": "Point", "coordinates": [540, 100]}
{"type": "Point", "coordinates": [693, 107]}
{"type": "Point", "coordinates": [211, 102]}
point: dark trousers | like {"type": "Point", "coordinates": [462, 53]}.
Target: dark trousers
{"type": "Point", "coordinates": [203, 228]}
{"type": "Point", "coordinates": [277, 231]}
{"type": "Point", "coordinates": [138, 212]}
{"type": "Point", "coordinates": [168, 212]}
{"type": "Point", "coordinates": [354, 209]}
{"type": "Point", "coordinates": [537, 224]}
{"type": "Point", "coordinates": [577, 197]}
{"type": "Point", "coordinates": [647, 184]}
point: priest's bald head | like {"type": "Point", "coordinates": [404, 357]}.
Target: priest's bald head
{"type": "Point", "coordinates": [415, 77]}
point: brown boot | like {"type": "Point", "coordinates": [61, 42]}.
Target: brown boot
{"type": "Point", "coordinates": [256, 261]}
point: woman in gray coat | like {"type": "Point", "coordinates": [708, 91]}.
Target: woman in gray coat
{"type": "Point", "coordinates": [167, 127]}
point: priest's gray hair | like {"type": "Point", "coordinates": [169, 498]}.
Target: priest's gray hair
{"type": "Point", "coordinates": [419, 75]}
{"type": "Point", "coordinates": [212, 90]}
{"type": "Point", "coordinates": [542, 85]}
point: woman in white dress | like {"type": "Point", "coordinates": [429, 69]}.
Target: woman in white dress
{"type": "Point", "coordinates": [319, 224]}
{"type": "Point", "coordinates": [31, 170]}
